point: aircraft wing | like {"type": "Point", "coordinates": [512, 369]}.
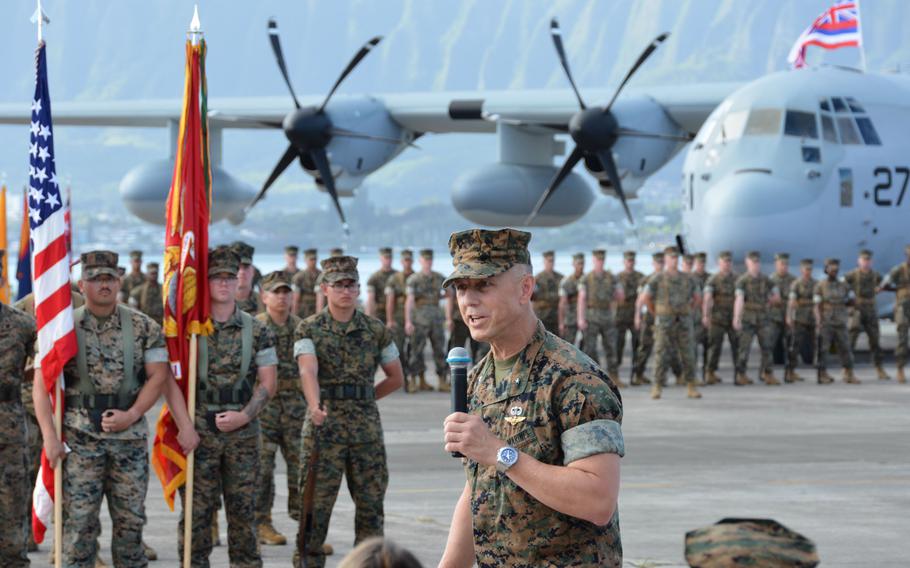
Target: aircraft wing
{"type": "Point", "coordinates": [438, 112]}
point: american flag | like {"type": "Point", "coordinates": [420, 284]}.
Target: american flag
{"type": "Point", "coordinates": [837, 27]}
{"type": "Point", "coordinates": [50, 272]}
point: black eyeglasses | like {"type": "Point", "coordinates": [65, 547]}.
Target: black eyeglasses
{"type": "Point", "coordinates": [339, 287]}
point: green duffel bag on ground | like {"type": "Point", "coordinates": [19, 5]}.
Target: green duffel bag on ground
{"type": "Point", "coordinates": [758, 543]}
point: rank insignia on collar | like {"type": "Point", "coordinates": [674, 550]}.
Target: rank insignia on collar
{"type": "Point", "coordinates": [515, 416]}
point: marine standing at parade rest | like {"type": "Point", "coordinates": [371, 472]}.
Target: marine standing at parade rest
{"type": "Point", "coordinates": [281, 421]}
{"type": "Point", "coordinates": [375, 307]}
{"type": "Point", "coordinates": [630, 280]}
{"type": "Point", "coordinates": [304, 285]}
{"type": "Point", "coordinates": [17, 340]}
{"type": "Point", "coordinates": [898, 281]}
{"type": "Point", "coordinates": [134, 278]}
{"type": "Point", "coordinates": [290, 262]}
{"type": "Point", "coordinates": [248, 298]}
{"type": "Point", "coordinates": [117, 375]}
{"type": "Point", "coordinates": [396, 294]}
{"type": "Point", "coordinates": [237, 377]}
{"type": "Point", "coordinates": [717, 313]}
{"type": "Point", "coordinates": [338, 351]}
{"type": "Point", "coordinates": [424, 319]}
{"type": "Point", "coordinates": [546, 293]}
{"type": "Point", "coordinates": [778, 334]}
{"type": "Point", "coordinates": [701, 275]}
{"type": "Point", "coordinates": [644, 323]}
{"type": "Point", "coordinates": [864, 281]}
{"type": "Point", "coordinates": [568, 300]}
{"type": "Point", "coordinates": [755, 293]}
{"type": "Point", "coordinates": [672, 297]}
{"type": "Point", "coordinates": [801, 319]}
{"type": "Point", "coordinates": [542, 438]}
{"type": "Point", "coordinates": [598, 293]}
{"type": "Point", "coordinates": [832, 298]}
{"type": "Point", "coordinates": [147, 297]}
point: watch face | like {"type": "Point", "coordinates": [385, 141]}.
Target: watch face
{"type": "Point", "coordinates": [508, 455]}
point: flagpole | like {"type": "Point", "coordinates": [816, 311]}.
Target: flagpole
{"type": "Point", "coordinates": [862, 47]}
{"type": "Point", "coordinates": [190, 457]}
{"type": "Point", "coordinates": [58, 476]}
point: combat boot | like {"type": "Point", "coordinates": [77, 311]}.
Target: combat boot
{"type": "Point", "coordinates": [769, 378]}
{"type": "Point", "coordinates": [788, 376]}
{"type": "Point", "coordinates": [444, 385]}
{"type": "Point", "coordinates": [99, 562]}
{"type": "Point", "coordinates": [742, 380]}
{"type": "Point", "coordinates": [882, 375]}
{"type": "Point", "coordinates": [711, 378]}
{"type": "Point", "coordinates": [268, 534]}
{"type": "Point", "coordinates": [680, 381]}
{"type": "Point", "coordinates": [692, 392]}
{"type": "Point", "coordinates": [620, 384]}
{"type": "Point", "coordinates": [655, 391]}
{"type": "Point", "coordinates": [423, 384]}
{"type": "Point", "coordinates": [900, 375]}
{"type": "Point", "coordinates": [327, 549]}
{"type": "Point", "coordinates": [150, 553]}
{"type": "Point", "coordinates": [410, 384]}
{"type": "Point", "coordinates": [824, 378]}
{"type": "Point", "coordinates": [850, 378]}
{"type": "Point", "coordinates": [637, 380]}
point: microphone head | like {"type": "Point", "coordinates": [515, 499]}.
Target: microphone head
{"type": "Point", "coordinates": [458, 355]}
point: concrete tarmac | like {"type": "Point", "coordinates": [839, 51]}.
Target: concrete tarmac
{"type": "Point", "coordinates": [831, 462]}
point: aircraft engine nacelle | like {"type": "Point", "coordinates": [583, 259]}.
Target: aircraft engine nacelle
{"type": "Point", "coordinates": [144, 191]}
{"type": "Point", "coordinates": [504, 195]}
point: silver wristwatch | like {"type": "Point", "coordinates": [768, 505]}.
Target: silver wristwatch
{"type": "Point", "coordinates": [506, 457]}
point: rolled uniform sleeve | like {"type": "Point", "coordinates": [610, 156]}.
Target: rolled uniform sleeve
{"type": "Point", "coordinates": [266, 354]}
{"type": "Point", "coordinates": [590, 415]}
{"type": "Point", "coordinates": [154, 349]}
{"type": "Point", "coordinates": [304, 346]}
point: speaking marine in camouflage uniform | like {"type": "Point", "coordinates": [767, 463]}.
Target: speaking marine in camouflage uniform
{"type": "Point", "coordinates": [546, 293]}
{"type": "Point", "coordinates": [644, 323]}
{"type": "Point", "coordinates": [424, 319]}
{"type": "Point", "coordinates": [237, 377]}
{"type": "Point", "coordinates": [631, 280]}
{"type": "Point", "coordinates": [800, 319]}
{"type": "Point", "coordinates": [755, 293]}
{"type": "Point", "coordinates": [375, 307]}
{"type": "Point", "coordinates": [864, 282]}
{"type": "Point", "coordinates": [568, 300]}
{"type": "Point", "coordinates": [717, 314]}
{"type": "Point", "coordinates": [281, 421]}
{"type": "Point", "coordinates": [247, 297]}
{"type": "Point", "coordinates": [338, 351]}
{"type": "Point", "coordinates": [832, 297]}
{"type": "Point", "coordinates": [598, 293]}
{"type": "Point", "coordinates": [542, 437]}
{"type": "Point", "coordinates": [117, 375]}
{"type": "Point", "coordinates": [134, 278]}
{"type": "Point", "coordinates": [898, 281]}
{"type": "Point", "coordinates": [672, 297]}
{"type": "Point", "coordinates": [147, 297]}
{"type": "Point", "coordinates": [17, 339]}
{"type": "Point", "coordinates": [396, 294]}
{"type": "Point", "coordinates": [778, 333]}
{"type": "Point", "coordinates": [304, 285]}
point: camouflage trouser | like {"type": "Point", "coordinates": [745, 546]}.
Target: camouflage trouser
{"type": "Point", "coordinates": [749, 330]}
{"type": "Point", "coordinates": [226, 464]}
{"type": "Point", "coordinates": [777, 331]}
{"type": "Point", "coordinates": [307, 306]}
{"type": "Point", "coordinates": [673, 342]}
{"type": "Point", "coordinates": [600, 330]}
{"type": "Point", "coordinates": [571, 332]}
{"type": "Point", "coordinates": [837, 335]}
{"type": "Point", "coordinates": [645, 343]}
{"type": "Point", "coordinates": [14, 495]}
{"type": "Point", "coordinates": [865, 320]}
{"type": "Point", "coordinates": [280, 423]}
{"type": "Point", "coordinates": [364, 468]}
{"type": "Point", "coordinates": [461, 334]}
{"type": "Point", "coordinates": [624, 326]}
{"type": "Point", "coordinates": [902, 319]}
{"type": "Point", "coordinates": [716, 334]}
{"type": "Point", "coordinates": [428, 327]}
{"type": "Point", "coordinates": [799, 336]}
{"type": "Point", "coordinates": [400, 338]}
{"type": "Point", "coordinates": [550, 319]}
{"type": "Point", "coordinates": [96, 468]}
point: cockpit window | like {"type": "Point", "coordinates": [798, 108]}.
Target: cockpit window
{"type": "Point", "coordinates": [800, 124]}
{"type": "Point", "coordinates": [870, 136]}
{"type": "Point", "coordinates": [763, 121]}
{"type": "Point", "coordinates": [732, 126]}
{"type": "Point", "coordinates": [848, 134]}
{"type": "Point", "coordinates": [828, 131]}
{"type": "Point", "coordinates": [823, 104]}
{"type": "Point", "coordinates": [854, 105]}
{"type": "Point", "coordinates": [839, 105]}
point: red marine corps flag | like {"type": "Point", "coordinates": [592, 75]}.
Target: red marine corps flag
{"type": "Point", "coordinates": [186, 242]}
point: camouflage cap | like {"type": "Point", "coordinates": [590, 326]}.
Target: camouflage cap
{"type": "Point", "coordinates": [385, 251]}
{"type": "Point", "coordinates": [578, 256]}
{"type": "Point", "coordinates": [291, 249]}
{"type": "Point", "coordinates": [337, 268]}
{"type": "Point", "coordinates": [152, 266]}
{"type": "Point", "coordinates": [725, 255]}
{"type": "Point", "coordinates": [701, 256]}
{"type": "Point", "coordinates": [782, 256]}
{"type": "Point", "coordinates": [658, 256]}
{"type": "Point", "coordinates": [427, 253]}
{"type": "Point", "coordinates": [865, 253]}
{"type": "Point", "coordinates": [223, 260]}
{"type": "Point", "coordinates": [807, 262]}
{"type": "Point", "coordinates": [407, 254]}
{"type": "Point", "coordinates": [753, 255]}
{"type": "Point", "coordinates": [309, 253]}
{"type": "Point", "coordinates": [136, 254]}
{"type": "Point", "coordinates": [688, 258]}
{"type": "Point", "coordinates": [244, 251]}
{"type": "Point", "coordinates": [629, 254]}
{"type": "Point", "coordinates": [99, 262]}
{"type": "Point", "coordinates": [481, 253]}
{"type": "Point", "coordinates": [275, 280]}
{"type": "Point", "coordinates": [336, 252]}
{"type": "Point", "coordinates": [548, 254]}
{"type": "Point", "coordinates": [831, 261]}
{"type": "Point", "coordinates": [671, 251]}
{"type": "Point", "coordinates": [599, 254]}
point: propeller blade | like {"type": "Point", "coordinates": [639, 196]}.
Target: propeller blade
{"type": "Point", "coordinates": [641, 59]}
{"type": "Point", "coordinates": [556, 34]}
{"type": "Point", "coordinates": [286, 160]}
{"type": "Point", "coordinates": [328, 180]}
{"type": "Point", "coordinates": [640, 134]}
{"type": "Point", "coordinates": [279, 57]}
{"type": "Point", "coordinates": [351, 134]}
{"type": "Point", "coordinates": [561, 175]}
{"type": "Point", "coordinates": [606, 161]}
{"type": "Point", "coordinates": [367, 47]}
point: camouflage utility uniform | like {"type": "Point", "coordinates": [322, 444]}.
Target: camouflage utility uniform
{"type": "Point", "coordinates": [546, 299]}
{"type": "Point", "coordinates": [625, 314]}
{"type": "Point", "coordinates": [252, 304]}
{"type": "Point", "coordinates": [865, 315]}
{"type": "Point", "coordinates": [396, 286]}
{"type": "Point", "coordinates": [305, 283]}
{"type": "Point", "coordinates": [832, 297]}
{"type": "Point", "coordinates": [722, 289]}
{"type": "Point", "coordinates": [147, 299]}
{"type": "Point", "coordinates": [645, 333]}
{"type": "Point", "coordinates": [803, 331]}
{"type": "Point", "coordinates": [130, 281]}
{"type": "Point", "coordinates": [672, 295]}
{"type": "Point", "coordinates": [568, 289]}
{"type": "Point", "coordinates": [777, 325]}
{"type": "Point", "coordinates": [756, 292]}
{"type": "Point", "coordinates": [899, 280]}
{"type": "Point", "coordinates": [17, 338]}
{"type": "Point", "coordinates": [428, 321]}
{"type": "Point", "coordinates": [599, 291]}
{"type": "Point", "coordinates": [376, 284]}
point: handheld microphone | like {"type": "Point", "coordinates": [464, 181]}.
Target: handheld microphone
{"type": "Point", "coordinates": [458, 361]}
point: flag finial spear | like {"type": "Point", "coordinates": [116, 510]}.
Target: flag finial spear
{"type": "Point", "coordinates": [195, 30]}
{"type": "Point", "coordinates": [40, 18]}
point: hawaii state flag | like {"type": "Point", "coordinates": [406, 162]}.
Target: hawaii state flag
{"type": "Point", "coordinates": [186, 242]}
{"type": "Point", "coordinates": [837, 27]}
